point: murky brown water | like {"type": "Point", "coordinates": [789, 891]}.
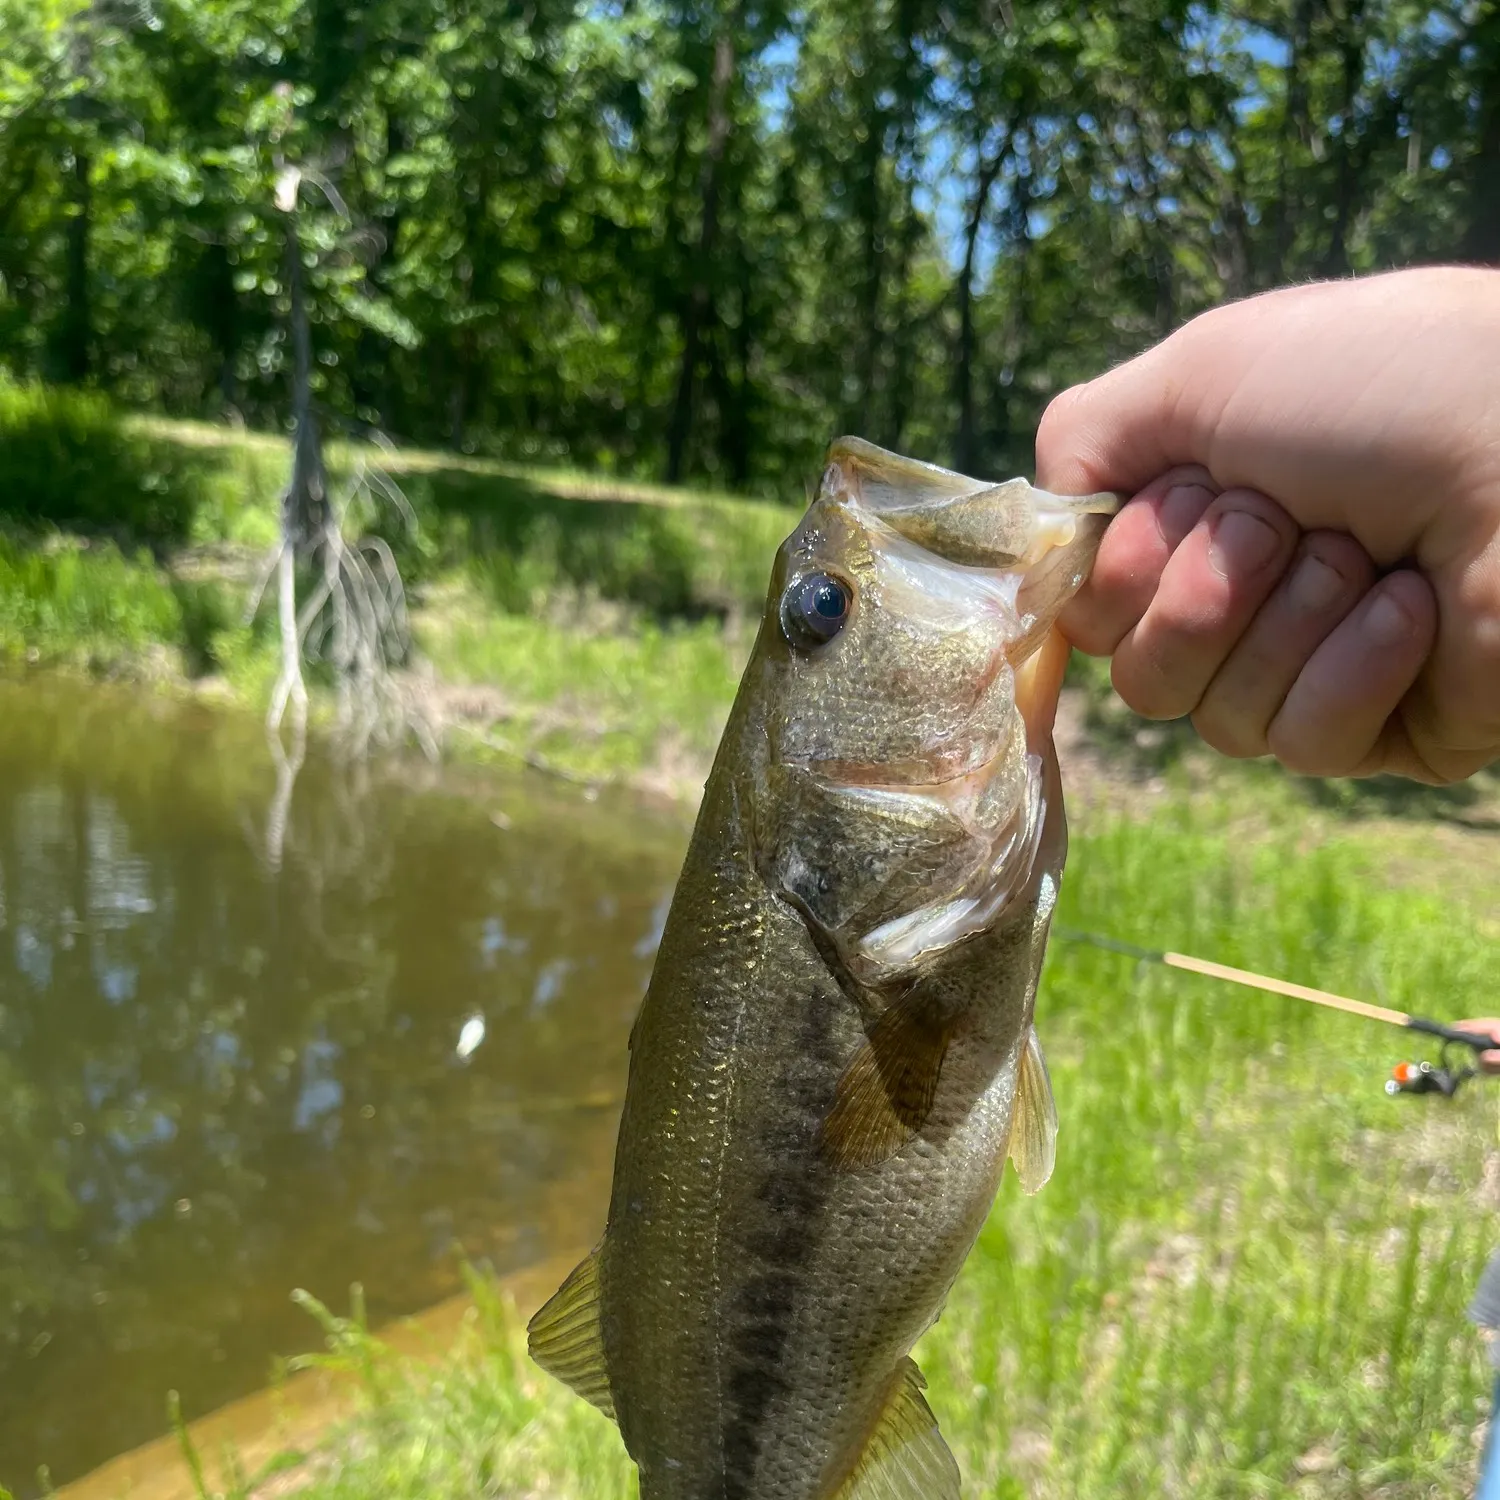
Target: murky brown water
{"type": "Point", "coordinates": [220, 1081]}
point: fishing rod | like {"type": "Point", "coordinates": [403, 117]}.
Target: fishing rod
{"type": "Point", "coordinates": [1443, 1077]}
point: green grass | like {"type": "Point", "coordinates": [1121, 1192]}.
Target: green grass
{"type": "Point", "coordinates": [1247, 1276]}
{"type": "Point", "coordinates": [84, 603]}
{"type": "Point", "coordinates": [606, 700]}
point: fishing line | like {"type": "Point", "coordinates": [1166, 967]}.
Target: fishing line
{"type": "Point", "coordinates": [1407, 1078]}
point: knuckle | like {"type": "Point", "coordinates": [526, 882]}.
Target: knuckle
{"type": "Point", "coordinates": [1181, 626]}
{"type": "Point", "coordinates": [1231, 734]}
{"type": "Point", "coordinates": [1148, 691]}
{"type": "Point", "coordinates": [1303, 756]}
{"type": "Point", "coordinates": [1182, 477]}
{"type": "Point", "coordinates": [1089, 633]}
{"type": "Point", "coordinates": [1339, 551]}
{"type": "Point", "coordinates": [1252, 502]}
{"type": "Point", "coordinates": [1058, 410]}
{"type": "Point", "coordinates": [1067, 451]}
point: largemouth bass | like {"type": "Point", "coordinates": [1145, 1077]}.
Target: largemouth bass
{"type": "Point", "coordinates": [836, 1051]}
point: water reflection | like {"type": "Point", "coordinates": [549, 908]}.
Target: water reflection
{"type": "Point", "coordinates": [217, 1084]}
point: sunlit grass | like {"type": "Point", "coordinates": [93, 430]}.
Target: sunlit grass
{"type": "Point", "coordinates": [1250, 1268]}
{"type": "Point", "coordinates": [1246, 1278]}
{"type": "Point", "coordinates": [596, 702]}
{"type": "Point", "coordinates": [83, 604]}
{"type": "Point", "coordinates": [578, 483]}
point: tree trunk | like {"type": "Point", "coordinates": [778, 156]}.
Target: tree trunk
{"type": "Point", "coordinates": [304, 509]}
{"type": "Point", "coordinates": [874, 272]}
{"type": "Point", "coordinates": [1235, 263]}
{"type": "Point", "coordinates": [216, 309]}
{"type": "Point", "coordinates": [965, 446]}
{"type": "Point", "coordinates": [909, 93]}
{"type": "Point", "coordinates": [699, 309]}
{"type": "Point", "coordinates": [1352, 156]}
{"type": "Point", "coordinates": [732, 446]}
{"type": "Point", "coordinates": [1482, 236]}
{"type": "Point", "coordinates": [1163, 266]}
{"type": "Point", "coordinates": [901, 333]}
{"type": "Point", "coordinates": [1294, 130]}
{"type": "Point", "coordinates": [732, 390]}
{"type": "Point", "coordinates": [76, 339]}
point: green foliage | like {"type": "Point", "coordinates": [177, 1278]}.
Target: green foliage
{"type": "Point", "coordinates": [705, 238]}
{"type": "Point", "coordinates": [1245, 1262]}
{"type": "Point", "coordinates": [596, 701]}
{"type": "Point", "coordinates": [612, 618]}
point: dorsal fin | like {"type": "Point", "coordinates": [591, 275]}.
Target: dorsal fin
{"type": "Point", "coordinates": [567, 1340]}
{"type": "Point", "coordinates": [905, 1457]}
{"type": "Point", "coordinates": [1033, 1128]}
{"type": "Point", "coordinates": [886, 1092]}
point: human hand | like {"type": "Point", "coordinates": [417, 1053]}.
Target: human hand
{"type": "Point", "coordinates": [1487, 1062]}
{"type": "Point", "coordinates": [1370, 410]}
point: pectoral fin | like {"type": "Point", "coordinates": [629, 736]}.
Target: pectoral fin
{"type": "Point", "coordinates": [886, 1093]}
{"type": "Point", "coordinates": [905, 1457]}
{"type": "Point", "coordinates": [567, 1340]}
{"type": "Point", "coordinates": [1033, 1128]}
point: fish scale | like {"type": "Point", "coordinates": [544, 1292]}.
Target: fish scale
{"type": "Point", "coordinates": [817, 1117]}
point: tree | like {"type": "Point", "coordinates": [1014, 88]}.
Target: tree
{"type": "Point", "coordinates": [701, 236]}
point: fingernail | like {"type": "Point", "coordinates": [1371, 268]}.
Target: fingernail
{"type": "Point", "coordinates": [1385, 622]}
{"type": "Point", "coordinates": [1314, 585]}
{"type": "Point", "coordinates": [1181, 509]}
{"type": "Point", "coordinates": [1241, 543]}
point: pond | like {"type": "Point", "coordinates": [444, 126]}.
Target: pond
{"type": "Point", "coordinates": [234, 1063]}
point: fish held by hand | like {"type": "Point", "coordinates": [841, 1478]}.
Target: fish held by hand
{"type": "Point", "coordinates": [836, 1055]}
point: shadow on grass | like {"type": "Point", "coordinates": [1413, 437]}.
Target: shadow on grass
{"type": "Point", "coordinates": [68, 461]}
{"type": "Point", "coordinates": [527, 547]}
{"type": "Point", "coordinates": [1151, 748]}
{"type": "Point", "coordinates": [1474, 803]}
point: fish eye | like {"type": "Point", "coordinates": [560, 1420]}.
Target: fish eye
{"type": "Point", "coordinates": [814, 608]}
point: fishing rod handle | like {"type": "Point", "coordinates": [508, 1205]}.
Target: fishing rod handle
{"type": "Point", "coordinates": [1475, 1039]}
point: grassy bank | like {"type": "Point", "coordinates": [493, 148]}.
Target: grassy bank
{"type": "Point", "coordinates": [1248, 1275]}
{"type": "Point", "coordinates": [591, 625]}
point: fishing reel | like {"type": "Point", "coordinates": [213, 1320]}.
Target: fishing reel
{"type": "Point", "coordinates": [1445, 1076]}
{"type": "Point", "coordinates": [1426, 1078]}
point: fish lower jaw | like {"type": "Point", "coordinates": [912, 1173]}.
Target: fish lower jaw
{"type": "Point", "coordinates": [903, 942]}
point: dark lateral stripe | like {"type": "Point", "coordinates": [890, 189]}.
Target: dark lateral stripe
{"type": "Point", "coordinates": [792, 1199]}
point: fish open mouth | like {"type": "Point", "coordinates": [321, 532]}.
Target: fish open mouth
{"type": "Point", "coordinates": [918, 726]}
{"type": "Point", "coordinates": [995, 562]}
